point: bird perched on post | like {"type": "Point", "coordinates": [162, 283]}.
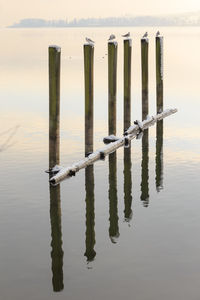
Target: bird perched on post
{"type": "Point", "coordinates": [126, 35]}
{"type": "Point", "coordinates": [112, 37]}
{"type": "Point", "coordinates": [91, 42]}
{"type": "Point", "coordinates": [145, 35]}
{"type": "Point", "coordinates": [157, 33]}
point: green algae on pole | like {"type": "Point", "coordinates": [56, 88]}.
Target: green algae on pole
{"type": "Point", "coordinates": [127, 82]}
{"type": "Point", "coordinates": [159, 72]}
{"type": "Point", "coordinates": [145, 76]}
{"type": "Point", "coordinates": [112, 86]}
{"type": "Point", "coordinates": [89, 91]}
{"type": "Point", "coordinates": [54, 105]}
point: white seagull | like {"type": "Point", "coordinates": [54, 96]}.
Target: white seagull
{"type": "Point", "coordinates": [112, 37]}
{"type": "Point", "coordinates": [91, 42]}
{"type": "Point", "coordinates": [126, 35]}
{"type": "Point", "coordinates": [145, 35]}
{"type": "Point", "coordinates": [157, 33]}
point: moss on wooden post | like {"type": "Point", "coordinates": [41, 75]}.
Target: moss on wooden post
{"type": "Point", "coordinates": [145, 169]}
{"type": "Point", "coordinates": [56, 239]}
{"type": "Point", "coordinates": [89, 91]}
{"type": "Point", "coordinates": [113, 205]}
{"type": "Point", "coordinates": [127, 83]}
{"type": "Point", "coordinates": [144, 62]}
{"type": "Point", "coordinates": [127, 185]}
{"type": "Point", "coordinates": [54, 105]}
{"type": "Point", "coordinates": [159, 73]}
{"type": "Point", "coordinates": [90, 214]}
{"type": "Point", "coordinates": [112, 86]}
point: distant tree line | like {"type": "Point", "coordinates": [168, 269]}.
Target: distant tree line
{"type": "Point", "coordinates": [182, 20]}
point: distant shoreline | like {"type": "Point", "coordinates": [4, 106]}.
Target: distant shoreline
{"type": "Point", "coordinates": [106, 26]}
{"type": "Point", "coordinates": [182, 20]}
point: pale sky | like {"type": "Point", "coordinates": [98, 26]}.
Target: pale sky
{"type": "Point", "coordinates": [13, 10]}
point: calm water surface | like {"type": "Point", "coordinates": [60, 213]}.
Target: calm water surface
{"type": "Point", "coordinates": [125, 227]}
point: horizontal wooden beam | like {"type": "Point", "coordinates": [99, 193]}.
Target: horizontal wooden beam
{"type": "Point", "coordinates": [129, 134]}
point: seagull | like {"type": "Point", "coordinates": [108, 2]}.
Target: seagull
{"type": "Point", "coordinates": [89, 41]}
{"type": "Point", "coordinates": [112, 37]}
{"type": "Point", "coordinates": [126, 35]}
{"type": "Point", "coordinates": [157, 33]}
{"type": "Point", "coordinates": [145, 35]}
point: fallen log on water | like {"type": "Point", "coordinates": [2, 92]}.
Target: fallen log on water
{"type": "Point", "coordinates": [129, 134]}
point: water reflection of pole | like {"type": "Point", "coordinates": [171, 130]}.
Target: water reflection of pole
{"type": "Point", "coordinates": [90, 214]}
{"type": "Point", "coordinates": [56, 242]}
{"type": "Point", "coordinates": [113, 210]}
{"type": "Point", "coordinates": [159, 156]}
{"type": "Point", "coordinates": [145, 169]}
{"type": "Point", "coordinates": [127, 185]}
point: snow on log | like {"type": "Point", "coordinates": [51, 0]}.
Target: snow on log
{"type": "Point", "coordinates": [129, 134]}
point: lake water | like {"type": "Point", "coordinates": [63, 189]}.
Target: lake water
{"type": "Point", "coordinates": [127, 227]}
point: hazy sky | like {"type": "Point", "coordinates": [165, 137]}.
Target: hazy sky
{"type": "Point", "coordinates": [14, 10]}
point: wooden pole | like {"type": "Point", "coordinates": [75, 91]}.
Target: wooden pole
{"type": "Point", "coordinates": [159, 156]}
{"type": "Point", "coordinates": [127, 83]}
{"type": "Point", "coordinates": [159, 73]}
{"type": "Point", "coordinates": [90, 214]}
{"type": "Point", "coordinates": [112, 86]}
{"type": "Point", "coordinates": [145, 169]}
{"type": "Point", "coordinates": [144, 62]}
{"type": "Point", "coordinates": [89, 91]}
{"type": "Point", "coordinates": [113, 209]}
{"type": "Point", "coordinates": [56, 239]}
{"type": "Point", "coordinates": [127, 184]}
{"type": "Point", "coordinates": [54, 106]}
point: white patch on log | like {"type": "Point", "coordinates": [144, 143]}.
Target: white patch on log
{"type": "Point", "coordinates": [58, 49]}
{"type": "Point", "coordinates": [145, 39]}
{"type": "Point", "coordinates": [113, 42]}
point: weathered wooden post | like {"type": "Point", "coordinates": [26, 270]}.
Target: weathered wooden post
{"type": "Point", "coordinates": [112, 86]}
{"type": "Point", "coordinates": [159, 72]}
{"type": "Point", "coordinates": [127, 184]}
{"type": "Point", "coordinates": [145, 169]}
{"type": "Point", "coordinates": [56, 239]}
{"type": "Point", "coordinates": [145, 75]}
{"type": "Point", "coordinates": [54, 106]}
{"type": "Point", "coordinates": [159, 156]}
{"type": "Point", "coordinates": [127, 83]}
{"type": "Point", "coordinates": [113, 209]}
{"type": "Point", "coordinates": [90, 214]}
{"type": "Point", "coordinates": [89, 91]}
